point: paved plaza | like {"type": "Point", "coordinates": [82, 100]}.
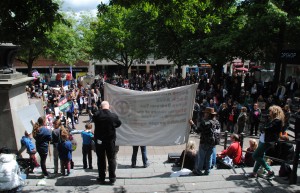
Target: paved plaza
{"type": "Point", "coordinates": [155, 178]}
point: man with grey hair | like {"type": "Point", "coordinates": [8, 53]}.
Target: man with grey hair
{"type": "Point", "coordinates": [106, 123]}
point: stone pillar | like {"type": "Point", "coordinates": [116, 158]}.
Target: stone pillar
{"type": "Point", "coordinates": [15, 109]}
{"type": "Point", "coordinates": [13, 98]}
{"type": "Point", "coordinates": [147, 68]}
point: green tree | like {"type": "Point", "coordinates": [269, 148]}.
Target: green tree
{"type": "Point", "coordinates": [183, 29]}
{"type": "Point", "coordinates": [25, 23]}
{"type": "Point", "coordinates": [115, 38]}
{"type": "Point", "coordinates": [70, 41]}
{"type": "Point", "coordinates": [271, 26]}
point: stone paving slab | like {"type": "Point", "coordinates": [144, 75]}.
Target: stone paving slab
{"type": "Point", "coordinates": [220, 185]}
{"type": "Point", "coordinates": [234, 190]}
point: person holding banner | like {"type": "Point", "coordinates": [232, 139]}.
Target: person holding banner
{"type": "Point", "coordinates": [207, 143]}
{"type": "Point", "coordinates": [106, 123]}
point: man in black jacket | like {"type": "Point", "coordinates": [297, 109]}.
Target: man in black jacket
{"type": "Point", "coordinates": [207, 142]}
{"type": "Point", "coordinates": [106, 123]}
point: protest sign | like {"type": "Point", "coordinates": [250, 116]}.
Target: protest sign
{"type": "Point", "coordinates": [157, 118]}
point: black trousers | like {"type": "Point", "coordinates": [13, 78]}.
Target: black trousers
{"type": "Point", "coordinates": [87, 153]}
{"type": "Point", "coordinates": [43, 157]}
{"type": "Point", "coordinates": [254, 125]}
{"type": "Point", "coordinates": [71, 115]}
{"type": "Point", "coordinates": [103, 150]}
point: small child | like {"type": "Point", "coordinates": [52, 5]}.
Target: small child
{"type": "Point", "coordinates": [26, 142]}
{"type": "Point", "coordinates": [65, 152]}
{"type": "Point", "coordinates": [87, 137]}
{"type": "Point", "coordinates": [76, 116]}
{"type": "Point", "coordinates": [248, 159]}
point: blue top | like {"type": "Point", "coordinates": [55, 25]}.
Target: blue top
{"type": "Point", "coordinates": [65, 150]}
{"type": "Point", "coordinates": [71, 109]}
{"type": "Point", "coordinates": [26, 141]}
{"type": "Point", "coordinates": [87, 137]}
{"type": "Point", "coordinates": [42, 139]}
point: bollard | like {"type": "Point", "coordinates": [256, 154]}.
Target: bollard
{"type": "Point", "coordinates": [242, 139]}
{"type": "Point", "coordinates": [293, 176]}
{"type": "Point", "coordinates": [225, 140]}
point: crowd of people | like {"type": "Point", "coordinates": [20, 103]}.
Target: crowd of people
{"type": "Point", "coordinates": [219, 106]}
{"type": "Point", "coordinates": [237, 103]}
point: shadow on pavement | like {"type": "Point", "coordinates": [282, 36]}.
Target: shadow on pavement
{"type": "Point", "coordinates": [84, 180]}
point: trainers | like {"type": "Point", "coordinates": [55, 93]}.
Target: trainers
{"type": "Point", "coordinates": [251, 175]}
{"type": "Point", "coordinates": [270, 174]}
{"type": "Point", "coordinates": [146, 165]}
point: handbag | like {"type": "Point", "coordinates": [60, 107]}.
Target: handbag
{"type": "Point", "coordinates": [225, 163]}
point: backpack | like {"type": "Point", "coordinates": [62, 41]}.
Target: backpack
{"type": "Point", "coordinates": [285, 170]}
{"type": "Point", "coordinates": [216, 131]}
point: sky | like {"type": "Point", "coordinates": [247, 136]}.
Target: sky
{"type": "Point", "coordinates": [81, 5]}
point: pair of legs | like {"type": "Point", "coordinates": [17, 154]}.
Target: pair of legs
{"type": "Point", "coordinates": [204, 159]}
{"type": "Point", "coordinates": [144, 156]}
{"type": "Point", "coordinates": [43, 157]}
{"type": "Point", "coordinates": [103, 150]}
{"type": "Point", "coordinates": [55, 159]}
{"type": "Point", "coordinates": [33, 161]}
{"type": "Point", "coordinates": [71, 116]}
{"type": "Point", "coordinates": [258, 156]}
{"type": "Point", "coordinates": [254, 125]}
{"type": "Point", "coordinates": [65, 164]}
{"type": "Point", "coordinates": [230, 126]}
{"type": "Point", "coordinates": [87, 154]}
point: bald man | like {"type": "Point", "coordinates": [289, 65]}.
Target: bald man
{"type": "Point", "coordinates": [106, 123]}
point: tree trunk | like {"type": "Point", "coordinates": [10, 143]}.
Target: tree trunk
{"type": "Point", "coordinates": [29, 65]}
{"type": "Point", "coordinates": [218, 73]}
{"type": "Point", "coordinates": [278, 64]}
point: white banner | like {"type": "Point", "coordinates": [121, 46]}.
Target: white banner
{"type": "Point", "coordinates": [156, 118]}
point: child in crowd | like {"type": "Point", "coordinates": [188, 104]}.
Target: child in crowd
{"type": "Point", "coordinates": [65, 152]}
{"type": "Point", "coordinates": [76, 116]}
{"type": "Point", "coordinates": [87, 137]}
{"type": "Point", "coordinates": [248, 160]}
{"type": "Point", "coordinates": [30, 147]}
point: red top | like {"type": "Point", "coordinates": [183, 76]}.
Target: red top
{"type": "Point", "coordinates": [234, 151]}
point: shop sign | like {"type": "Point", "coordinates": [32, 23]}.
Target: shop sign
{"type": "Point", "coordinates": [290, 56]}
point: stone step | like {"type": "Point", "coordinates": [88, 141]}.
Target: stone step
{"type": "Point", "coordinates": [156, 178]}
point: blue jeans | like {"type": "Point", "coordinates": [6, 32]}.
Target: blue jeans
{"type": "Point", "coordinates": [214, 157]}
{"type": "Point", "coordinates": [204, 156]}
{"type": "Point", "coordinates": [134, 155]}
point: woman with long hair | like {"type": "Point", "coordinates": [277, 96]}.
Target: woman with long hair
{"type": "Point", "coordinates": [189, 158]}
{"type": "Point", "coordinates": [269, 136]}
{"type": "Point", "coordinates": [42, 137]}
{"type": "Point", "coordinates": [56, 139]}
